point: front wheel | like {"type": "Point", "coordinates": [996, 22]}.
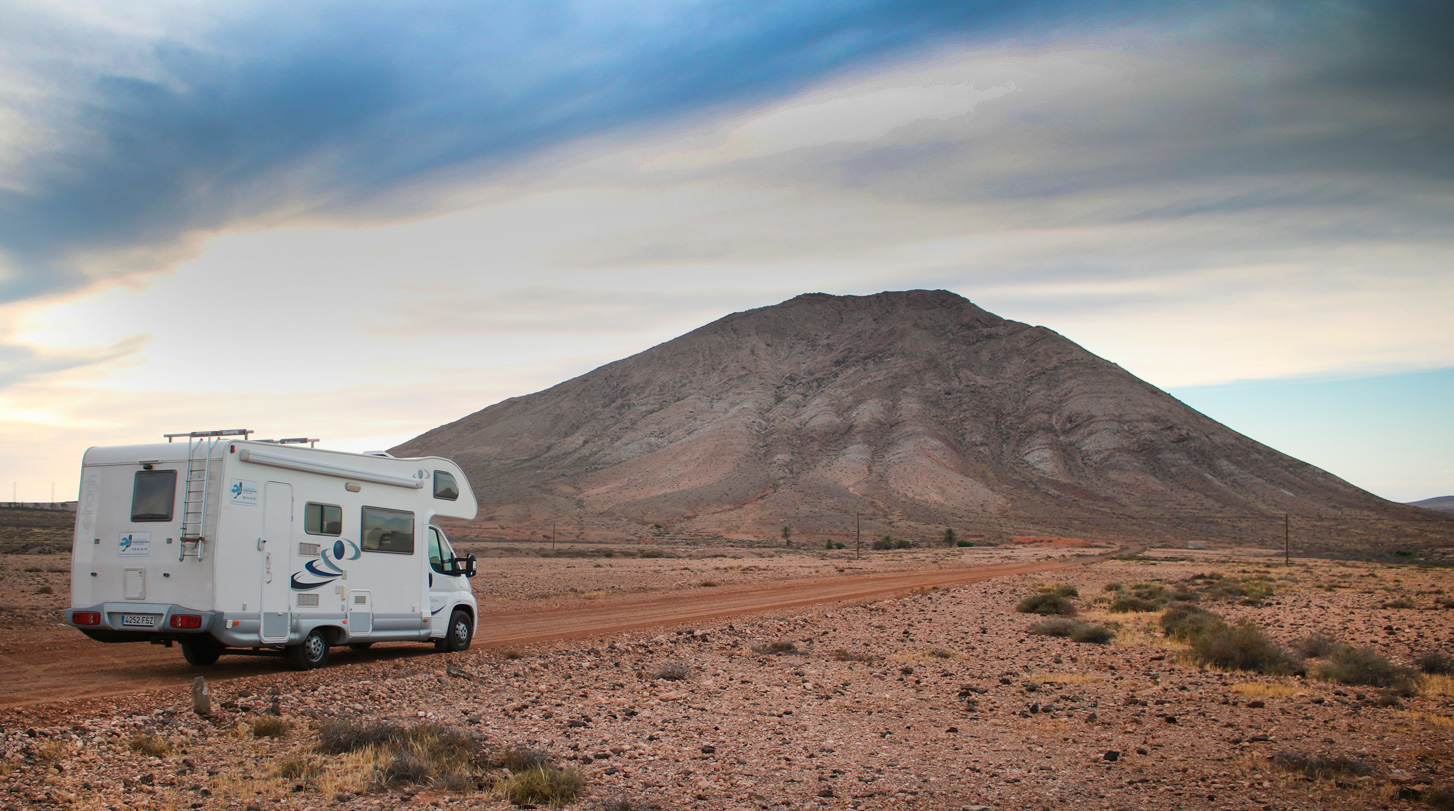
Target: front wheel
{"type": "Point", "coordinates": [201, 650]}
{"type": "Point", "coordinates": [459, 634]}
{"type": "Point", "coordinates": [311, 653]}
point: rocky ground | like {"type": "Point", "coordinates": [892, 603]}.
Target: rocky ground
{"type": "Point", "coordinates": [938, 700]}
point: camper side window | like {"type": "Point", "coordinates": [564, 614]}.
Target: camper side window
{"type": "Point", "coordinates": [445, 486]}
{"type": "Point", "coordinates": [387, 530]}
{"type": "Point", "coordinates": [322, 519]}
{"type": "Point", "coordinates": [153, 495]}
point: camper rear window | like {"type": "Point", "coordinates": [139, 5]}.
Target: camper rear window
{"type": "Point", "coordinates": [322, 519]}
{"type": "Point", "coordinates": [445, 486]}
{"type": "Point", "coordinates": [387, 530]}
{"type": "Point", "coordinates": [153, 495]}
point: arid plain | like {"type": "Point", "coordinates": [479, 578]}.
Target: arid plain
{"type": "Point", "coordinates": [903, 696]}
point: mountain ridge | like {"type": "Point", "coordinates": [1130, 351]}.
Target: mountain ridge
{"type": "Point", "coordinates": [917, 408]}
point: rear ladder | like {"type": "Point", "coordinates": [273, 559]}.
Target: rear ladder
{"type": "Point", "coordinates": [199, 478]}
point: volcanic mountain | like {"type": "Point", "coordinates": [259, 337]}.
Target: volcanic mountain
{"type": "Point", "coordinates": [906, 412]}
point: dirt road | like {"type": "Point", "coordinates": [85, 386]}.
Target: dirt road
{"type": "Point", "coordinates": [62, 664]}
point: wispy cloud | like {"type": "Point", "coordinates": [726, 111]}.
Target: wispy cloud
{"type": "Point", "coordinates": [156, 128]}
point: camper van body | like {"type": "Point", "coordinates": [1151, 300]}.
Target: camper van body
{"type": "Point", "coordinates": [220, 542]}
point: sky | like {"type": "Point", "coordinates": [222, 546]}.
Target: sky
{"type": "Point", "coordinates": [360, 221]}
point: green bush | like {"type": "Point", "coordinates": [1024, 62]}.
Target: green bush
{"type": "Point", "coordinates": [1367, 667]}
{"type": "Point", "coordinates": [1185, 622]}
{"type": "Point", "coordinates": [963, 543]}
{"type": "Point", "coordinates": [1063, 589]}
{"type": "Point", "coordinates": [880, 544]}
{"type": "Point", "coordinates": [1047, 603]}
{"type": "Point", "coordinates": [1241, 647]}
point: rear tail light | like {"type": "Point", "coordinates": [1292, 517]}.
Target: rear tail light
{"type": "Point", "coordinates": [86, 618]}
{"type": "Point", "coordinates": [186, 621]}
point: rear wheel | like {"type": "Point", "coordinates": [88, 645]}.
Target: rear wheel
{"type": "Point", "coordinates": [461, 630]}
{"type": "Point", "coordinates": [311, 653]}
{"type": "Point", "coordinates": [201, 650]}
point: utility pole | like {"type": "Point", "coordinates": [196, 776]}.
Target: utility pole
{"type": "Point", "coordinates": [552, 536]}
{"type": "Point", "coordinates": [857, 536]}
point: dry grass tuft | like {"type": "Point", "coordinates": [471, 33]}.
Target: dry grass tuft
{"type": "Point", "coordinates": [150, 745]}
{"type": "Point", "coordinates": [543, 785]}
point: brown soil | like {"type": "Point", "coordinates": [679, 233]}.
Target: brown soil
{"type": "Point", "coordinates": [40, 657]}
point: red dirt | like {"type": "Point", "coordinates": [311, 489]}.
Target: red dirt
{"type": "Point", "coordinates": [56, 663]}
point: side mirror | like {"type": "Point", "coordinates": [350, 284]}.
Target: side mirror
{"type": "Point", "coordinates": [464, 565]}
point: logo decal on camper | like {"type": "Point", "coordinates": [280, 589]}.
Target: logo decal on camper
{"type": "Point", "coordinates": [325, 569]}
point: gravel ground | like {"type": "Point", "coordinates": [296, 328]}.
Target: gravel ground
{"type": "Point", "coordinates": [936, 700]}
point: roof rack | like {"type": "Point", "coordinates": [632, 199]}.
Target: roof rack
{"type": "Point", "coordinates": [242, 432]}
{"type": "Point", "coordinates": [295, 440]}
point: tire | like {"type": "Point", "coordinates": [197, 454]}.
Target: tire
{"type": "Point", "coordinates": [459, 633]}
{"type": "Point", "coordinates": [201, 650]}
{"type": "Point", "coordinates": [311, 653]}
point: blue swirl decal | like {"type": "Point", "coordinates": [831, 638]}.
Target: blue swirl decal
{"type": "Point", "coordinates": [326, 568]}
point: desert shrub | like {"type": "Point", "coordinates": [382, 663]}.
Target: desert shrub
{"type": "Point", "coordinates": [902, 543]}
{"type": "Point", "coordinates": [45, 590]}
{"type": "Point", "coordinates": [881, 544]}
{"type": "Point", "coordinates": [1400, 602]}
{"type": "Point", "coordinates": [1249, 590]}
{"type": "Point", "coordinates": [341, 737]}
{"type": "Point", "coordinates": [1185, 622]}
{"type": "Point", "coordinates": [841, 655]}
{"type": "Point", "coordinates": [1092, 634]}
{"type": "Point", "coordinates": [1111, 587]}
{"type": "Point", "coordinates": [297, 767]}
{"type": "Point", "coordinates": [1058, 626]}
{"type": "Point", "coordinates": [938, 653]}
{"type": "Point", "coordinates": [1154, 592]}
{"type": "Point", "coordinates": [1444, 602]}
{"type": "Point", "coordinates": [1062, 589]}
{"type": "Point", "coordinates": [1127, 604]}
{"type": "Point", "coordinates": [1440, 798]}
{"type": "Point", "coordinates": [672, 671]}
{"type": "Point", "coordinates": [963, 543]}
{"type": "Point", "coordinates": [1205, 577]}
{"type": "Point", "coordinates": [150, 745]}
{"type": "Point", "coordinates": [1241, 647]}
{"type": "Point", "coordinates": [1320, 767]}
{"type": "Point", "coordinates": [777, 647]}
{"type": "Point", "coordinates": [543, 785]}
{"type": "Point", "coordinates": [651, 552]}
{"type": "Point", "coordinates": [519, 758]}
{"type": "Point", "coordinates": [1046, 603]}
{"type": "Point", "coordinates": [1367, 667]}
{"type": "Point", "coordinates": [1073, 630]}
{"type": "Point", "coordinates": [269, 726]}
{"type": "Point", "coordinates": [1316, 645]}
{"type": "Point", "coordinates": [709, 584]}
{"type": "Point", "coordinates": [1436, 663]}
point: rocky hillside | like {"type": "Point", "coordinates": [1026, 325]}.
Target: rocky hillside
{"type": "Point", "coordinates": [918, 411]}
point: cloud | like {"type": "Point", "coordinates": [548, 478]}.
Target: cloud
{"type": "Point", "coordinates": [130, 129]}
{"type": "Point", "coordinates": [20, 363]}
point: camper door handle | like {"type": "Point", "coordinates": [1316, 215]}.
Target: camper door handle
{"type": "Point", "coordinates": [261, 542]}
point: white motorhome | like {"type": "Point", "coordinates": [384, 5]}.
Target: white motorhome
{"type": "Point", "coordinates": [219, 542]}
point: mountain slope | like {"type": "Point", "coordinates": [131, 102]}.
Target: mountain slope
{"type": "Point", "coordinates": [917, 409]}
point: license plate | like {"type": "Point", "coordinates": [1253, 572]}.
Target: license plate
{"type": "Point", "coordinates": [139, 620]}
